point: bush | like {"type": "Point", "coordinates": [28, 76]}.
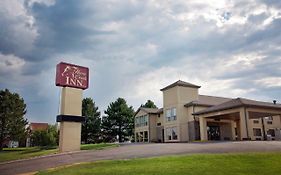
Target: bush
{"type": "Point", "coordinates": [47, 137]}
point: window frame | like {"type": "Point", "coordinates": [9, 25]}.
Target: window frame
{"type": "Point", "coordinates": [255, 133]}
{"type": "Point", "coordinates": [172, 134]}
{"type": "Point", "coordinates": [171, 114]}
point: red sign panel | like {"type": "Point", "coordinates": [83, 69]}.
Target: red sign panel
{"type": "Point", "coordinates": [70, 75]}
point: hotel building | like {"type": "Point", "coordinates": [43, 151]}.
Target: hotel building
{"type": "Point", "coordinates": [188, 116]}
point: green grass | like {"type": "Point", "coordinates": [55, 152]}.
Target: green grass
{"type": "Point", "coordinates": [98, 146]}
{"type": "Point", "coordinates": [201, 164]}
{"type": "Point", "coordinates": [9, 154]}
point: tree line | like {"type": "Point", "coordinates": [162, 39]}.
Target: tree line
{"type": "Point", "coordinates": [117, 123]}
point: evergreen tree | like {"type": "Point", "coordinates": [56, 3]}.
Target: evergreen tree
{"type": "Point", "coordinates": [91, 127]}
{"type": "Point", "coordinates": [149, 104]}
{"type": "Point", "coordinates": [118, 121]}
{"type": "Point", "coordinates": [12, 111]}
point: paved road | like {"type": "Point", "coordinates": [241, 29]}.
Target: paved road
{"type": "Point", "coordinates": [136, 151]}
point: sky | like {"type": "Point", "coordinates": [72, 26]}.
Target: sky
{"type": "Point", "coordinates": [232, 48]}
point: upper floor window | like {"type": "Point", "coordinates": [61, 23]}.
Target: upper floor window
{"type": "Point", "coordinates": [171, 114]}
{"type": "Point", "coordinates": [141, 121]}
{"type": "Point", "coordinates": [269, 118]}
{"type": "Point", "coordinates": [269, 122]}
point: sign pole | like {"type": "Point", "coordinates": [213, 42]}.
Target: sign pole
{"type": "Point", "coordinates": [73, 79]}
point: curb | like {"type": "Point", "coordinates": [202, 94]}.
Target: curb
{"type": "Point", "coordinates": [44, 156]}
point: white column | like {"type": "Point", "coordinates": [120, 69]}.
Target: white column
{"type": "Point", "coordinates": [232, 125]}
{"type": "Point", "coordinates": [203, 128]}
{"type": "Point", "coordinates": [244, 133]}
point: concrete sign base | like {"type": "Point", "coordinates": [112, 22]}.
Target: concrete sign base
{"type": "Point", "coordinates": [70, 119]}
{"type": "Point", "coordinates": [70, 136]}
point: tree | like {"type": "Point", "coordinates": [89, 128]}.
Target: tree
{"type": "Point", "coordinates": [118, 121]}
{"type": "Point", "coordinates": [12, 111]}
{"type": "Point", "coordinates": [47, 137]}
{"type": "Point", "coordinates": [149, 104]}
{"type": "Point", "coordinates": [91, 127]}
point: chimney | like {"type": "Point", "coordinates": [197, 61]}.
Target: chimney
{"type": "Point", "coordinates": [274, 102]}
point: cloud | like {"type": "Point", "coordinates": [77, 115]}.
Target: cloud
{"type": "Point", "coordinates": [134, 48]}
{"type": "Point", "coordinates": [10, 64]}
{"type": "Point", "coordinates": [30, 3]}
{"type": "Point", "coordinates": [18, 31]}
{"type": "Point", "coordinates": [269, 82]}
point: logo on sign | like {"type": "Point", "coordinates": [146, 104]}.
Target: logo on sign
{"type": "Point", "coordinates": [69, 75]}
{"type": "Point", "coordinates": [74, 77]}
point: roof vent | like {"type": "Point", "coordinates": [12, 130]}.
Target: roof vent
{"type": "Point", "coordinates": [274, 102]}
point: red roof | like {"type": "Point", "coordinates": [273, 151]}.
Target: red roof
{"type": "Point", "coordinates": [38, 126]}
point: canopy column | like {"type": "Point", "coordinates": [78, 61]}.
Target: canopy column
{"type": "Point", "coordinates": [243, 124]}
{"type": "Point", "coordinates": [203, 128]}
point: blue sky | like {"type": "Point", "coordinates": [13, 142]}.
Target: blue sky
{"type": "Point", "coordinates": [133, 48]}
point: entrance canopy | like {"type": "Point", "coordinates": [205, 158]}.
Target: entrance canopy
{"type": "Point", "coordinates": [238, 110]}
{"type": "Point", "coordinates": [231, 109]}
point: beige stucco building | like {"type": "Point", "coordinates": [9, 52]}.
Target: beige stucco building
{"type": "Point", "coordinates": [188, 116]}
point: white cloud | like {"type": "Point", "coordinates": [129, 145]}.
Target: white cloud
{"type": "Point", "coordinates": [269, 82]}
{"type": "Point", "coordinates": [135, 48]}
{"type": "Point", "coordinates": [244, 60]}
{"type": "Point", "coordinates": [18, 30]}
{"type": "Point", "coordinates": [10, 64]}
{"type": "Point", "coordinates": [45, 2]}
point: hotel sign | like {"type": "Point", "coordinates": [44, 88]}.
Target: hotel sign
{"type": "Point", "coordinates": [70, 75]}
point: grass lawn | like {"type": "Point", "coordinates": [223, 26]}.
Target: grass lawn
{"type": "Point", "coordinates": [98, 146]}
{"type": "Point", "coordinates": [200, 164]}
{"type": "Point", "coordinates": [22, 153]}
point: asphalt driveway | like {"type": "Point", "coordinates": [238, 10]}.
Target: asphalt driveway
{"type": "Point", "coordinates": [129, 151]}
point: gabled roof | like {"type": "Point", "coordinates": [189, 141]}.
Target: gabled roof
{"type": "Point", "coordinates": [238, 102]}
{"type": "Point", "coordinates": [205, 100]}
{"type": "Point", "coordinates": [150, 110]}
{"type": "Point", "coordinates": [38, 126]}
{"type": "Point", "coordinates": [180, 83]}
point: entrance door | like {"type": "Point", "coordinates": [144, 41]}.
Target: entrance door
{"type": "Point", "coordinates": [213, 132]}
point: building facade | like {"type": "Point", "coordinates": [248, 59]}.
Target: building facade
{"type": "Point", "coordinates": [188, 116]}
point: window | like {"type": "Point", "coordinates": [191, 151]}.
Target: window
{"type": "Point", "coordinates": [145, 138]}
{"type": "Point", "coordinates": [158, 124]}
{"type": "Point", "coordinates": [137, 121]}
{"type": "Point", "coordinates": [174, 114]}
{"type": "Point", "coordinates": [269, 118]}
{"type": "Point", "coordinates": [256, 121]}
{"type": "Point", "coordinates": [257, 132]}
{"type": "Point", "coordinates": [271, 132]}
{"type": "Point", "coordinates": [137, 137]}
{"type": "Point", "coordinates": [141, 121]}
{"type": "Point", "coordinates": [171, 114]}
{"type": "Point", "coordinates": [171, 133]}
{"type": "Point", "coordinates": [168, 114]}
{"type": "Point", "coordinates": [146, 120]}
